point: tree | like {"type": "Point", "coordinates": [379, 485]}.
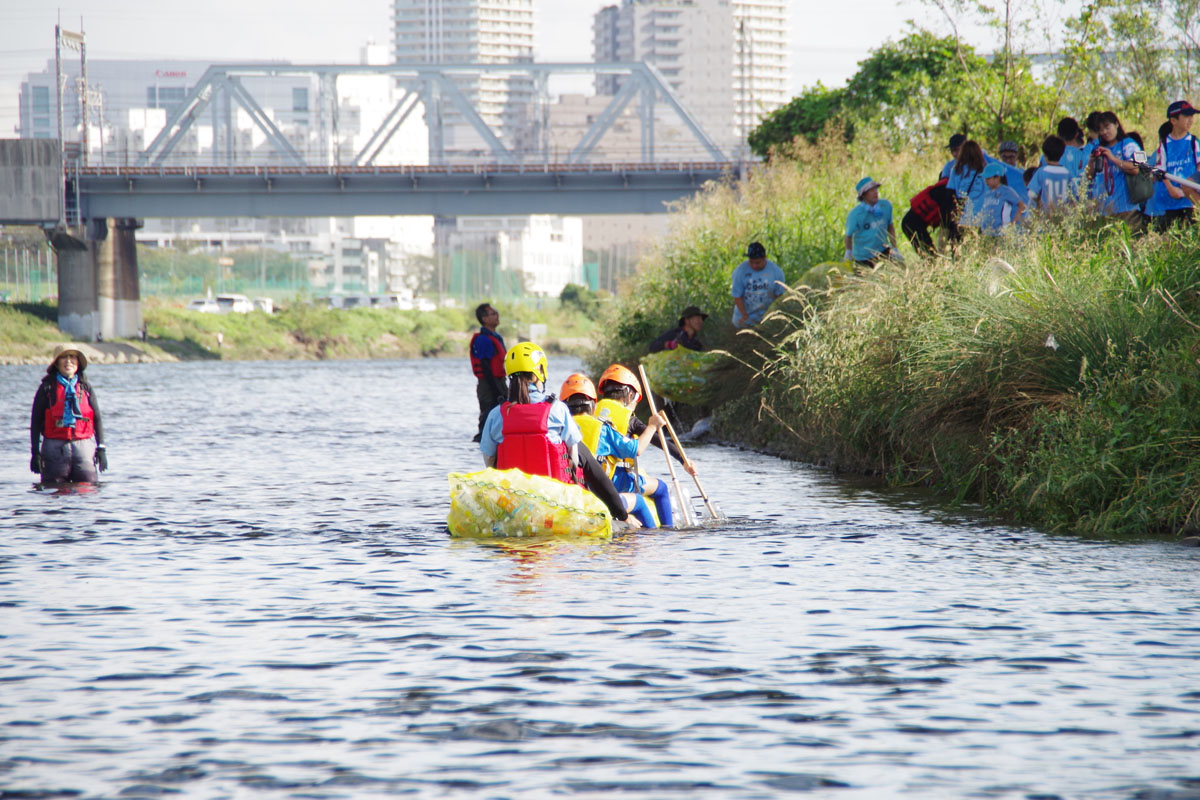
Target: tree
{"type": "Point", "coordinates": [806, 115]}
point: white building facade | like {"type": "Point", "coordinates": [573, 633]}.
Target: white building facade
{"type": "Point", "coordinates": [473, 32]}
{"type": "Point", "coordinates": [725, 59]}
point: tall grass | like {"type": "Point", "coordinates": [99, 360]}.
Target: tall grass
{"type": "Point", "coordinates": [1051, 375]}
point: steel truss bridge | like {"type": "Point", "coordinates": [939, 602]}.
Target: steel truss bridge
{"type": "Point", "coordinates": [437, 88]}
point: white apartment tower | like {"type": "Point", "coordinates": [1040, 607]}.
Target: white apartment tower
{"type": "Point", "coordinates": [725, 59]}
{"type": "Point", "coordinates": [472, 32]}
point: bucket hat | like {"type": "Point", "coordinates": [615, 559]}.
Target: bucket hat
{"type": "Point", "coordinates": [64, 349]}
{"type": "Point", "coordinates": [865, 185]}
{"type": "Point", "coordinates": [691, 311]}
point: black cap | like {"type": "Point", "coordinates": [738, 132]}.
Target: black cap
{"type": "Point", "coordinates": [957, 140]}
{"type": "Point", "coordinates": [756, 250]}
{"type": "Point", "coordinates": [691, 311]}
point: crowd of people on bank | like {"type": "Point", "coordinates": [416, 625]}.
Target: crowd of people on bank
{"type": "Point", "coordinates": [1105, 166]}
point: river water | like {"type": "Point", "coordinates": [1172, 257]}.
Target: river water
{"type": "Point", "coordinates": [261, 601]}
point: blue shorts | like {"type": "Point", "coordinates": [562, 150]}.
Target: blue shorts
{"type": "Point", "coordinates": [626, 481]}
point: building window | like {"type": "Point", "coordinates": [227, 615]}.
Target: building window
{"type": "Point", "coordinates": [299, 99]}
{"type": "Point", "coordinates": [41, 99]}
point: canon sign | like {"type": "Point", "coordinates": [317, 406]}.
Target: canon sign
{"type": "Point", "coordinates": [170, 73]}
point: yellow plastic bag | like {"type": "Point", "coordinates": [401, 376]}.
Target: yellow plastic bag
{"type": "Point", "coordinates": [510, 504]}
{"type": "Point", "coordinates": [681, 374]}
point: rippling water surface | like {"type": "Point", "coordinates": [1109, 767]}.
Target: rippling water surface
{"type": "Point", "coordinates": [261, 601]}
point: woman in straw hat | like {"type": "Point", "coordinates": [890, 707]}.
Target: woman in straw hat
{"type": "Point", "coordinates": [66, 438]}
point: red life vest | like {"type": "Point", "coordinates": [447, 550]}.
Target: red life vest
{"type": "Point", "coordinates": [480, 366]}
{"type": "Point", "coordinates": [527, 447]}
{"type": "Point", "coordinates": [52, 424]}
{"type": "Point", "coordinates": [925, 207]}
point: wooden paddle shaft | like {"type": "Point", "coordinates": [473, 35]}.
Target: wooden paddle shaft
{"type": "Point", "coordinates": [671, 430]}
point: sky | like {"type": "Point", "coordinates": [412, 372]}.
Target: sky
{"type": "Point", "coordinates": [824, 47]}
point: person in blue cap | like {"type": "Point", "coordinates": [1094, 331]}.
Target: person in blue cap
{"type": "Point", "coordinates": [755, 284]}
{"type": "Point", "coordinates": [1000, 206]}
{"type": "Point", "coordinates": [870, 233]}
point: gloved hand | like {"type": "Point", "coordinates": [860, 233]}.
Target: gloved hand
{"type": "Point", "coordinates": [35, 463]}
{"type": "Point", "coordinates": [101, 458]}
{"type": "Point", "coordinates": [847, 256]}
{"type": "Point", "coordinates": [895, 255]}
{"type": "Point", "coordinates": [671, 345]}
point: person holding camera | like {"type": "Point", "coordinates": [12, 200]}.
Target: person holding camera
{"type": "Point", "coordinates": [1111, 161]}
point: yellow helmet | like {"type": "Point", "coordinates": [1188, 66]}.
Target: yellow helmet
{"type": "Point", "coordinates": [527, 357]}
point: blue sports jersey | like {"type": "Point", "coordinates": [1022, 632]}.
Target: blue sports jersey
{"type": "Point", "coordinates": [998, 208]}
{"type": "Point", "coordinates": [1053, 184]}
{"type": "Point", "coordinates": [1179, 157]}
{"type": "Point", "coordinates": [1108, 186]}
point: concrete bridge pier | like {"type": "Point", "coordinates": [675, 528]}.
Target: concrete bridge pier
{"type": "Point", "coordinates": [98, 292]}
{"type": "Point", "coordinates": [77, 313]}
{"type": "Point", "coordinates": [118, 296]}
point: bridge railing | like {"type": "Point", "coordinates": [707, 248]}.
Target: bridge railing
{"type": "Point", "coordinates": [408, 169]}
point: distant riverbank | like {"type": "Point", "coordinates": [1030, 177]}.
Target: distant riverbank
{"type": "Point", "coordinates": [28, 333]}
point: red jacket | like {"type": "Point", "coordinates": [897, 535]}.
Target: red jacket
{"type": "Point", "coordinates": [527, 447]}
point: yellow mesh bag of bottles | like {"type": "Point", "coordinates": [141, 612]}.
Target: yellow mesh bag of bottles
{"type": "Point", "coordinates": [681, 375]}
{"type": "Point", "coordinates": [509, 504]}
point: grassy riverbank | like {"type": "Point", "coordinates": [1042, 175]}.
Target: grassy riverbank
{"type": "Point", "coordinates": [300, 331]}
{"type": "Point", "coordinates": [1052, 378]}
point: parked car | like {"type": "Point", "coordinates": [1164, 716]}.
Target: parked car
{"type": "Point", "coordinates": [205, 305]}
{"type": "Point", "coordinates": [264, 304]}
{"type": "Point", "coordinates": [234, 304]}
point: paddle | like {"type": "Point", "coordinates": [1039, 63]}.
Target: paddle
{"type": "Point", "coordinates": [650, 399]}
{"type": "Point", "coordinates": [684, 507]}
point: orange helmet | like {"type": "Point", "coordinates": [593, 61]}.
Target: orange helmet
{"type": "Point", "coordinates": [621, 374]}
{"type": "Point", "coordinates": [578, 383]}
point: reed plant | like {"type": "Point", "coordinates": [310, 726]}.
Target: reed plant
{"type": "Point", "coordinates": [1050, 374]}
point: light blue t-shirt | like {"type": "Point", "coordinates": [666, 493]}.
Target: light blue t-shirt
{"type": "Point", "coordinates": [1015, 178]}
{"type": "Point", "coordinates": [970, 187]}
{"type": "Point", "coordinates": [1109, 186]}
{"type": "Point", "coordinates": [1179, 157]}
{"type": "Point", "coordinates": [1073, 159]}
{"type": "Point", "coordinates": [945, 173]}
{"type": "Point", "coordinates": [867, 226]}
{"type": "Point", "coordinates": [1055, 185]}
{"type": "Point", "coordinates": [615, 444]}
{"type": "Point", "coordinates": [560, 426]}
{"type": "Point", "coordinates": [998, 208]}
{"type": "Point", "coordinates": [757, 289]}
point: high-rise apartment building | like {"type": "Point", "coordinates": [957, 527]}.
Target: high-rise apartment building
{"type": "Point", "coordinates": [725, 59]}
{"type": "Point", "coordinates": [473, 32]}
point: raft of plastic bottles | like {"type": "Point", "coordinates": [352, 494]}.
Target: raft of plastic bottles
{"type": "Point", "coordinates": [510, 504]}
{"type": "Point", "coordinates": [681, 374]}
